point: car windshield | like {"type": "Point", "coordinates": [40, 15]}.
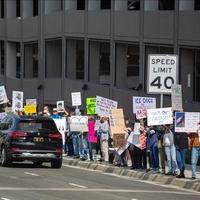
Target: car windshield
{"type": "Point", "coordinates": [36, 125]}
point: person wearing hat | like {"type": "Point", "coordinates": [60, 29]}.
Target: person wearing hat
{"type": "Point", "coordinates": [55, 114]}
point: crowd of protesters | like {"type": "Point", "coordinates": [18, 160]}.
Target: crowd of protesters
{"type": "Point", "coordinates": [151, 148]}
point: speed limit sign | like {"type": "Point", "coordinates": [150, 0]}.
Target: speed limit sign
{"type": "Point", "coordinates": [162, 73]}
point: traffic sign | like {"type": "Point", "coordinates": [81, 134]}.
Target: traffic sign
{"type": "Point", "coordinates": [162, 73]}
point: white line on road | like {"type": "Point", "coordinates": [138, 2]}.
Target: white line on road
{"type": "Point", "coordinates": [32, 174]}
{"type": "Point", "coordinates": [4, 198]}
{"type": "Point", "coordinates": [134, 199]}
{"type": "Point", "coordinates": [76, 185]}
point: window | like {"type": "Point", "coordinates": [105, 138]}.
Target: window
{"type": "Point", "coordinates": [197, 5]}
{"type": "Point", "coordinates": [2, 8]}
{"type": "Point", "coordinates": [80, 4]}
{"type": "Point", "coordinates": [105, 4]}
{"type": "Point", "coordinates": [104, 59]}
{"type": "Point", "coordinates": [79, 59]}
{"type": "Point", "coordinates": [18, 10]}
{"type": "Point", "coordinates": [132, 60]}
{"type": "Point", "coordinates": [35, 7]}
{"type": "Point", "coordinates": [196, 75]}
{"type": "Point", "coordinates": [18, 60]}
{"type": "Point", "coordinates": [166, 4]}
{"type": "Point", "coordinates": [2, 57]}
{"type": "Point", "coordinates": [133, 4]}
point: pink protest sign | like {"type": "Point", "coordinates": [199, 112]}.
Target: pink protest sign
{"type": "Point", "coordinates": [91, 132]}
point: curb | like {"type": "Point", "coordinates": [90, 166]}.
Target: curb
{"type": "Point", "coordinates": [163, 179]}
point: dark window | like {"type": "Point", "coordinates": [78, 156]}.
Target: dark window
{"type": "Point", "coordinates": [35, 60]}
{"type": "Point", "coordinates": [80, 59]}
{"type": "Point", "coordinates": [80, 4]}
{"type": "Point", "coordinates": [166, 4]}
{"type": "Point", "coordinates": [105, 4]}
{"type": "Point", "coordinates": [18, 60]}
{"type": "Point", "coordinates": [18, 14]}
{"type": "Point", "coordinates": [132, 60]}
{"type": "Point", "coordinates": [104, 59]}
{"type": "Point", "coordinates": [2, 8]}
{"type": "Point", "coordinates": [197, 5]}
{"type": "Point", "coordinates": [2, 57]}
{"type": "Point", "coordinates": [133, 4]}
{"type": "Point", "coordinates": [35, 7]}
{"type": "Point", "coordinates": [196, 75]}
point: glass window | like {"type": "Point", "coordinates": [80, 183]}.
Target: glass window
{"type": "Point", "coordinates": [2, 57]}
{"type": "Point", "coordinates": [104, 59]}
{"type": "Point", "coordinates": [80, 4]}
{"type": "Point", "coordinates": [166, 4]}
{"type": "Point", "coordinates": [18, 9]}
{"type": "Point", "coordinates": [197, 4]}
{"type": "Point", "coordinates": [133, 4]}
{"type": "Point", "coordinates": [2, 8]}
{"type": "Point", "coordinates": [79, 59]}
{"type": "Point", "coordinates": [105, 4]}
{"type": "Point", "coordinates": [35, 7]}
{"type": "Point", "coordinates": [132, 60]}
{"type": "Point", "coordinates": [18, 60]}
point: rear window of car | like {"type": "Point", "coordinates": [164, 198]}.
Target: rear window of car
{"type": "Point", "coordinates": [36, 125]}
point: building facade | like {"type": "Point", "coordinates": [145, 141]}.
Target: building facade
{"type": "Point", "coordinates": [50, 48]}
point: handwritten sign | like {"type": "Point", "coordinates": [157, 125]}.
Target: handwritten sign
{"type": "Point", "coordinates": [79, 123]}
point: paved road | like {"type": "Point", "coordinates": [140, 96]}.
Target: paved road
{"type": "Point", "coordinates": [24, 182]}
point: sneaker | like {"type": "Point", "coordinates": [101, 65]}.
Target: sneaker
{"type": "Point", "coordinates": [162, 171]}
{"type": "Point", "coordinates": [181, 175]}
{"type": "Point", "coordinates": [193, 178]}
{"type": "Point", "coordinates": [169, 173]}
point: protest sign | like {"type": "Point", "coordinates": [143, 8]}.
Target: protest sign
{"type": "Point", "coordinates": [30, 109]}
{"type": "Point", "coordinates": [2, 115]}
{"type": "Point", "coordinates": [134, 136]}
{"type": "Point", "coordinates": [61, 126]}
{"type": "Point", "coordinates": [176, 98]}
{"type": "Point", "coordinates": [117, 124]}
{"type": "Point", "coordinates": [76, 98]}
{"type": "Point", "coordinates": [3, 96]}
{"type": "Point", "coordinates": [118, 140]}
{"type": "Point", "coordinates": [91, 106]}
{"type": "Point", "coordinates": [31, 102]}
{"type": "Point", "coordinates": [104, 105]}
{"type": "Point", "coordinates": [60, 105]}
{"type": "Point", "coordinates": [159, 116]}
{"type": "Point", "coordinates": [141, 104]}
{"type": "Point", "coordinates": [17, 101]}
{"type": "Point", "coordinates": [79, 123]}
{"type": "Point", "coordinates": [186, 121]}
{"type": "Point", "coordinates": [121, 149]}
{"type": "Point", "coordinates": [92, 137]}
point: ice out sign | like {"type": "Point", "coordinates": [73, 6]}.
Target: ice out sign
{"type": "Point", "coordinates": [162, 73]}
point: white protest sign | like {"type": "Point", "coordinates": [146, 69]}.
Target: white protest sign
{"type": "Point", "coordinates": [61, 126]}
{"type": "Point", "coordinates": [104, 105]}
{"type": "Point", "coordinates": [3, 96]}
{"type": "Point", "coordinates": [162, 73]}
{"type": "Point", "coordinates": [31, 101]}
{"type": "Point", "coordinates": [134, 136]}
{"type": "Point", "coordinates": [60, 105]}
{"type": "Point", "coordinates": [159, 116]}
{"type": "Point", "coordinates": [186, 121]}
{"type": "Point", "coordinates": [141, 104]}
{"type": "Point", "coordinates": [176, 98]}
{"type": "Point", "coordinates": [17, 101]}
{"type": "Point", "coordinates": [76, 98]}
{"type": "Point", "coordinates": [79, 123]}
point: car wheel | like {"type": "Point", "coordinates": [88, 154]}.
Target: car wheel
{"type": "Point", "coordinates": [37, 163]}
{"type": "Point", "coordinates": [5, 161]}
{"type": "Point", "coordinates": [56, 163]}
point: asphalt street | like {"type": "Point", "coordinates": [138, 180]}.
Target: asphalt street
{"type": "Point", "coordinates": [24, 182]}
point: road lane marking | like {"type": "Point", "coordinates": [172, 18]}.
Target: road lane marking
{"type": "Point", "coordinates": [134, 199]}
{"type": "Point", "coordinates": [5, 198]}
{"type": "Point", "coordinates": [32, 174]}
{"type": "Point", "coordinates": [76, 185]}
{"type": "Point", "coordinates": [98, 190]}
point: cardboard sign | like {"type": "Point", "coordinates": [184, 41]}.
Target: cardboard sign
{"type": "Point", "coordinates": [62, 127]}
{"type": "Point", "coordinates": [162, 73]}
{"type": "Point", "coordinates": [117, 124]}
{"type": "Point", "coordinates": [91, 106]}
{"type": "Point", "coordinates": [104, 105]}
{"type": "Point", "coordinates": [141, 104]}
{"type": "Point", "coordinates": [17, 101]}
{"type": "Point", "coordinates": [118, 140]}
{"type": "Point", "coordinates": [76, 98]}
{"type": "Point", "coordinates": [30, 109]}
{"type": "Point", "coordinates": [79, 123]}
{"type": "Point", "coordinates": [159, 116]}
{"type": "Point", "coordinates": [3, 96]}
{"type": "Point", "coordinates": [176, 98]}
{"type": "Point", "coordinates": [186, 121]}
{"type": "Point", "coordinates": [31, 102]}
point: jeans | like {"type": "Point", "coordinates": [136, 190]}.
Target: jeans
{"type": "Point", "coordinates": [76, 143]}
{"type": "Point", "coordinates": [180, 158]}
{"type": "Point", "coordinates": [154, 156]}
{"type": "Point", "coordinates": [84, 150]}
{"type": "Point", "coordinates": [194, 159]}
{"type": "Point", "coordinates": [171, 158]}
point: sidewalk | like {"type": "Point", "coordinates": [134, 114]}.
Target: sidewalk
{"type": "Point", "coordinates": [186, 183]}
